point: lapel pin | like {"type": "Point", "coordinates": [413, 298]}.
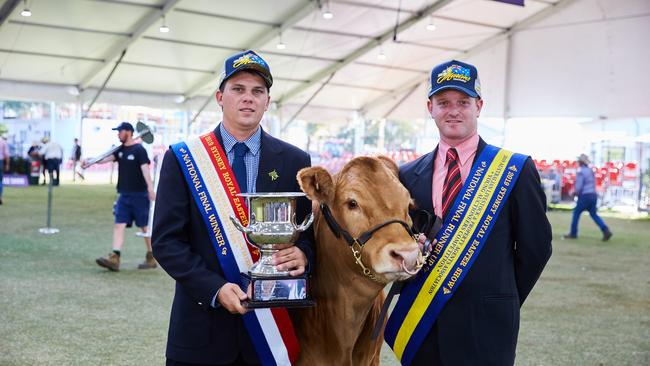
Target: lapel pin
{"type": "Point", "coordinates": [273, 174]}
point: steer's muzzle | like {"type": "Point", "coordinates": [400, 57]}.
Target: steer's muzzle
{"type": "Point", "coordinates": [399, 261]}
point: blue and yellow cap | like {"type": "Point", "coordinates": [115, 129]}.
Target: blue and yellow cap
{"type": "Point", "coordinates": [247, 60]}
{"type": "Point", "coordinates": [455, 75]}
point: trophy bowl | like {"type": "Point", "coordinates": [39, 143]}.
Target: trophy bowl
{"type": "Point", "coordinates": [272, 226]}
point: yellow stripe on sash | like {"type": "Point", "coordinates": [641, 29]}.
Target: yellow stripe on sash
{"type": "Point", "coordinates": [456, 246]}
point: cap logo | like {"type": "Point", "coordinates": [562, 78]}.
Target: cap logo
{"type": "Point", "coordinates": [454, 72]}
{"type": "Point", "coordinates": [248, 58]}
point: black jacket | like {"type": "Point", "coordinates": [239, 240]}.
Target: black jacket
{"type": "Point", "coordinates": [480, 323]}
{"type": "Point", "coordinates": [199, 333]}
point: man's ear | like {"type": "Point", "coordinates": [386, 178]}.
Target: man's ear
{"type": "Point", "coordinates": [317, 183]}
{"type": "Point", "coordinates": [479, 106]}
{"type": "Point", "coordinates": [219, 97]}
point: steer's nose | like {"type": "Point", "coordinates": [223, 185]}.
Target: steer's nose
{"type": "Point", "coordinates": [405, 255]}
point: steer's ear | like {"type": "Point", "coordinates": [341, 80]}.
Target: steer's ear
{"type": "Point", "coordinates": [317, 183]}
{"type": "Point", "coordinates": [390, 164]}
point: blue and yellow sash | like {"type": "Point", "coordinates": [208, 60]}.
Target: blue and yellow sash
{"type": "Point", "coordinates": [214, 189]}
{"type": "Point", "coordinates": [463, 234]}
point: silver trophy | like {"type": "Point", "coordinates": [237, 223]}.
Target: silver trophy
{"type": "Point", "coordinates": [271, 226]}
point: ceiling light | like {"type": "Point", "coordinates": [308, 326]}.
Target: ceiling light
{"type": "Point", "coordinates": [179, 99]}
{"type": "Point", "coordinates": [431, 26]}
{"type": "Point", "coordinates": [280, 45]}
{"type": "Point", "coordinates": [26, 12]}
{"type": "Point", "coordinates": [327, 14]}
{"type": "Point", "coordinates": [164, 28]}
{"type": "Point", "coordinates": [73, 90]}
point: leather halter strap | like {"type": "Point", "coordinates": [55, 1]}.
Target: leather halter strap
{"type": "Point", "coordinates": [365, 236]}
{"type": "Point", "coordinates": [361, 240]}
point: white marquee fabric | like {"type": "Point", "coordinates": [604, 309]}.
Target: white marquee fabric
{"type": "Point", "coordinates": [550, 58]}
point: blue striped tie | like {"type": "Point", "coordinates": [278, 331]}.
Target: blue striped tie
{"type": "Point", "coordinates": [239, 166]}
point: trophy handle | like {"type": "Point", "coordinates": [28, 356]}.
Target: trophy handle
{"type": "Point", "coordinates": [239, 226]}
{"type": "Point", "coordinates": [305, 224]}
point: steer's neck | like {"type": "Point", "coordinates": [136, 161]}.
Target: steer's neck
{"type": "Point", "coordinates": [347, 306]}
{"type": "Point", "coordinates": [338, 273]}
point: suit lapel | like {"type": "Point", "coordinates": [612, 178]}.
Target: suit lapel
{"type": "Point", "coordinates": [421, 188]}
{"type": "Point", "coordinates": [217, 132]}
{"type": "Point", "coordinates": [271, 167]}
{"type": "Point", "coordinates": [481, 145]}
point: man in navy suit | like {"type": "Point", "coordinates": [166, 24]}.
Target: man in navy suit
{"type": "Point", "coordinates": [480, 323]}
{"type": "Point", "coordinates": [206, 325]}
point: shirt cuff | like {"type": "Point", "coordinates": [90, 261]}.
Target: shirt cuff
{"type": "Point", "coordinates": [215, 304]}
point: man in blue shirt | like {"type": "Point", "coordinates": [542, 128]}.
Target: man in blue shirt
{"type": "Point", "coordinates": [206, 323]}
{"type": "Point", "coordinates": [586, 191]}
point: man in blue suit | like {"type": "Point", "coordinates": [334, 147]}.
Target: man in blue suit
{"type": "Point", "coordinates": [480, 323]}
{"type": "Point", "coordinates": [207, 325]}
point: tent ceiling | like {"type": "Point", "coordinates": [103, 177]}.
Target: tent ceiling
{"type": "Point", "coordinates": [78, 42]}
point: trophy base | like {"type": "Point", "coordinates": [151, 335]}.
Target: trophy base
{"type": "Point", "coordinates": [277, 291]}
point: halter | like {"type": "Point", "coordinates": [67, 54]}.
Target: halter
{"type": "Point", "coordinates": [361, 240]}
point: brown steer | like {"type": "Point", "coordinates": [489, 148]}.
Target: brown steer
{"type": "Point", "coordinates": [365, 194]}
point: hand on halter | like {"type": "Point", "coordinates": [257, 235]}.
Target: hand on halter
{"type": "Point", "coordinates": [422, 239]}
{"type": "Point", "coordinates": [425, 247]}
{"type": "Point", "coordinates": [290, 258]}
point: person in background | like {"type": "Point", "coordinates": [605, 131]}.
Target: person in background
{"type": "Point", "coordinates": [4, 162]}
{"type": "Point", "coordinates": [34, 151]}
{"type": "Point", "coordinates": [42, 161]}
{"type": "Point", "coordinates": [52, 154]}
{"type": "Point", "coordinates": [75, 158]}
{"type": "Point", "coordinates": [135, 190]}
{"type": "Point", "coordinates": [585, 190]}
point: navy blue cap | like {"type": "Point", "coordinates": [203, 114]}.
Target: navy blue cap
{"type": "Point", "coordinates": [455, 75]}
{"type": "Point", "coordinates": [124, 126]}
{"type": "Point", "coordinates": [247, 60]}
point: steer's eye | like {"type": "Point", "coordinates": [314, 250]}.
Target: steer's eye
{"type": "Point", "coordinates": [352, 204]}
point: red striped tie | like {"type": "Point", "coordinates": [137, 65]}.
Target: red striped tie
{"type": "Point", "coordinates": [453, 183]}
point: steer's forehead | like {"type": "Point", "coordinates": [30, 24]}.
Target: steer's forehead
{"type": "Point", "coordinates": [367, 171]}
{"type": "Point", "coordinates": [368, 176]}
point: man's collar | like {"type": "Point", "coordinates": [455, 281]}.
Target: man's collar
{"type": "Point", "coordinates": [465, 149]}
{"type": "Point", "coordinates": [254, 142]}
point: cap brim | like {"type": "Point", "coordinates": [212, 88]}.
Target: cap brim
{"type": "Point", "coordinates": [471, 93]}
{"type": "Point", "coordinates": [264, 73]}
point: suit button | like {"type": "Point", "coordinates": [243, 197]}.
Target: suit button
{"type": "Point", "coordinates": [200, 304]}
